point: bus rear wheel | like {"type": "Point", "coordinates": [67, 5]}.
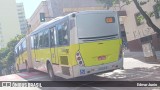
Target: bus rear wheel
{"type": "Point", "coordinates": [50, 72]}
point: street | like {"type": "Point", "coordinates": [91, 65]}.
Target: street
{"type": "Point", "coordinates": [135, 69]}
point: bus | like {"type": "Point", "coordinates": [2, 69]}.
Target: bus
{"type": "Point", "coordinates": [74, 45]}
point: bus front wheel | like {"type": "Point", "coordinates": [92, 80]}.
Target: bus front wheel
{"type": "Point", "coordinates": [50, 71]}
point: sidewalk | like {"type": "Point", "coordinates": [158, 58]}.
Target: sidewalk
{"type": "Point", "coordinates": [140, 56]}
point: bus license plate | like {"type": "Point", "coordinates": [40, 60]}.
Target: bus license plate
{"type": "Point", "coordinates": [102, 58]}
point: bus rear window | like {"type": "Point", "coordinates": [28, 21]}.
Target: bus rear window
{"type": "Point", "coordinates": [97, 25]}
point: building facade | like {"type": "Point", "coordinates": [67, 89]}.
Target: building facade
{"type": "Point", "coordinates": [22, 18]}
{"type": "Point", "coordinates": [63, 7]}
{"type": "Point", "coordinates": [34, 20]}
{"type": "Point", "coordinates": [137, 31]}
{"type": "Point", "coordinates": [9, 24]}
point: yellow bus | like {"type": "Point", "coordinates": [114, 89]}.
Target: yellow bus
{"type": "Point", "coordinates": [78, 44]}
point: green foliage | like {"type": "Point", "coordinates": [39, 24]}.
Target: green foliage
{"type": "Point", "coordinates": [4, 52]}
{"type": "Point", "coordinates": [126, 1]}
{"type": "Point", "coordinates": [140, 18]}
{"type": "Point", "coordinates": [7, 54]}
{"type": "Point", "coordinates": [150, 14]}
{"type": "Point", "coordinates": [158, 7]}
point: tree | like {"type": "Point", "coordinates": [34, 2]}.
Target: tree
{"type": "Point", "coordinates": [110, 3]}
{"type": "Point", "coordinates": [146, 17]}
{"type": "Point", "coordinates": [7, 54]}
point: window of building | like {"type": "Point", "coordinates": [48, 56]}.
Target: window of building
{"type": "Point", "coordinates": [157, 10]}
{"type": "Point", "coordinates": [62, 34]}
{"type": "Point", "coordinates": [139, 19]}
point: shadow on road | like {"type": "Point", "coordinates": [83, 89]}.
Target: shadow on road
{"type": "Point", "coordinates": [135, 74]}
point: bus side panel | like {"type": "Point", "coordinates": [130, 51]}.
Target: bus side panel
{"type": "Point", "coordinates": [17, 62]}
{"type": "Point", "coordinates": [25, 56]}
{"type": "Point", "coordinates": [42, 55]}
{"type": "Point", "coordinates": [64, 60]}
{"type": "Point", "coordinates": [72, 56]}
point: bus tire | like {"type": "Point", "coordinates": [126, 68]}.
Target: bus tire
{"type": "Point", "coordinates": [50, 71]}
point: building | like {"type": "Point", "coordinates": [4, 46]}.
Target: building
{"type": "Point", "coordinates": [9, 24]}
{"type": "Point", "coordinates": [22, 18]}
{"type": "Point", "coordinates": [133, 26]}
{"type": "Point", "coordinates": [34, 20]}
{"type": "Point", "coordinates": [137, 31]}
{"type": "Point", "coordinates": [63, 7]}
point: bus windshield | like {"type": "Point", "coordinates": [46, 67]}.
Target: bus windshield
{"type": "Point", "coordinates": [93, 25]}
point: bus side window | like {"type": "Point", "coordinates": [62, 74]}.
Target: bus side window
{"type": "Point", "coordinates": [40, 40]}
{"type": "Point", "coordinates": [36, 41]}
{"type": "Point", "coordinates": [20, 49]}
{"type": "Point", "coordinates": [32, 42]}
{"type": "Point", "coordinates": [24, 45]}
{"type": "Point", "coordinates": [52, 37]}
{"type": "Point", "coordinates": [17, 51]}
{"type": "Point", "coordinates": [63, 37]}
{"type": "Point", "coordinates": [46, 39]}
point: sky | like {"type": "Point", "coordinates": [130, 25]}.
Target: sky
{"type": "Point", "coordinates": [29, 6]}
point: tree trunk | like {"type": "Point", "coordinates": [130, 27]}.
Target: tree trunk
{"type": "Point", "coordinates": [147, 18]}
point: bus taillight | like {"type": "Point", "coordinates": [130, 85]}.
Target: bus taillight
{"type": "Point", "coordinates": [79, 59]}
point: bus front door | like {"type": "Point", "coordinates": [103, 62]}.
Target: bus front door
{"type": "Point", "coordinates": [54, 59]}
